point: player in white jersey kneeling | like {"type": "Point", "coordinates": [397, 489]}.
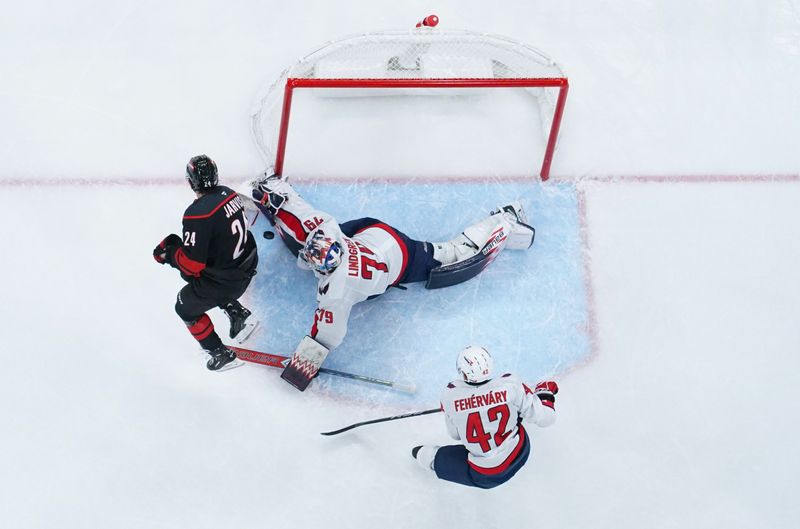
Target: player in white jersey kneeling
{"type": "Point", "coordinates": [362, 258]}
{"type": "Point", "coordinates": [486, 414]}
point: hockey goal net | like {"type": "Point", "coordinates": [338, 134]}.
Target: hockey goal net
{"type": "Point", "coordinates": [417, 65]}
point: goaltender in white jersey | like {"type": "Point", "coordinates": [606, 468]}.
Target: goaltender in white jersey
{"type": "Point", "coordinates": [372, 260]}
{"type": "Point", "coordinates": [362, 258]}
{"type": "Point", "coordinates": [487, 415]}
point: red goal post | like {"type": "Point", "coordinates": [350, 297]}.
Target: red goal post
{"type": "Point", "coordinates": [422, 60]}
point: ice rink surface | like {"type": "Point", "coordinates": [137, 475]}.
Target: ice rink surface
{"type": "Point", "coordinates": [662, 290]}
{"type": "Point", "coordinates": [532, 305]}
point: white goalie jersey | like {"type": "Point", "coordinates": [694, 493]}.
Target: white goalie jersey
{"type": "Point", "coordinates": [373, 259]}
{"type": "Point", "coordinates": [489, 419]}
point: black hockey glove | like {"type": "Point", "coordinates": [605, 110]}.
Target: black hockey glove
{"type": "Point", "coordinates": [166, 248]}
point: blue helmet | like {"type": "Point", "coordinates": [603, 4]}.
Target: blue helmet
{"type": "Point", "coordinates": [322, 252]}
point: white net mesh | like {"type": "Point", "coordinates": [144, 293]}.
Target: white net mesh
{"type": "Point", "coordinates": [424, 53]}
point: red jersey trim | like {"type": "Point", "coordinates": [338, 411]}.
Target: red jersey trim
{"type": "Point", "coordinates": [502, 467]}
{"type": "Point", "coordinates": [188, 265]}
{"type": "Point", "coordinates": [193, 217]}
{"type": "Point", "coordinates": [314, 328]}
{"type": "Point", "coordinates": [293, 223]}
{"type": "Point", "coordinates": [403, 248]}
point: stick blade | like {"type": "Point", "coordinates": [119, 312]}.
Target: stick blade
{"type": "Point", "coordinates": [330, 433]}
{"type": "Point", "coordinates": [407, 388]}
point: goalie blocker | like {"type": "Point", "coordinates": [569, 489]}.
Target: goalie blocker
{"type": "Point", "coordinates": [305, 363]}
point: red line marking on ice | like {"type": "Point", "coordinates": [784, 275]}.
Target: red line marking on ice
{"type": "Point", "coordinates": [692, 179]}
{"type": "Point", "coordinates": [91, 182]}
{"type": "Point", "coordinates": [588, 283]}
{"type": "Point", "coordinates": [402, 180]}
{"type": "Point", "coordinates": [591, 326]}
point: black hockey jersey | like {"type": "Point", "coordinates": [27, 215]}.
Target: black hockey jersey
{"type": "Point", "coordinates": [216, 242]}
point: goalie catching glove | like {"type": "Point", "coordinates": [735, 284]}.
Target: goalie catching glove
{"type": "Point", "coordinates": [270, 194]}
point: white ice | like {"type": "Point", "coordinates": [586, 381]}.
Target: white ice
{"type": "Point", "coordinates": [680, 416]}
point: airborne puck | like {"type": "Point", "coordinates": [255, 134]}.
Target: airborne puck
{"type": "Point", "coordinates": [269, 235]}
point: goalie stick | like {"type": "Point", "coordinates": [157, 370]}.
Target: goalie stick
{"type": "Point", "coordinates": [280, 361]}
{"type": "Point", "coordinates": [384, 419]}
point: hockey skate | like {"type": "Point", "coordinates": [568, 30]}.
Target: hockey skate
{"type": "Point", "coordinates": [459, 249]}
{"type": "Point", "coordinates": [222, 359]}
{"type": "Point", "coordinates": [241, 329]}
{"type": "Point", "coordinates": [522, 234]}
{"type": "Point", "coordinates": [514, 211]}
{"type": "Point", "coordinates": [425, 455]}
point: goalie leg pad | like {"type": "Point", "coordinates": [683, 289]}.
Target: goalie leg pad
{"type": "Point", "coordinates": [305, 363]}
{"type": "Point", "coordinates": [490, 235]}
{"type": "Point", "coordinates": [472, 240]}
{"type": "Point", "coordinates": [461, 258]}
{"type": "Point", "coordinates": [459, 249]}
{"type": "Point", "coordinates": [492, 229]}
{"type": "Point", "coordinates": [460, 271]}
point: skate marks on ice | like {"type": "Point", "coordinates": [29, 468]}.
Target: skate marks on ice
{"type": "Point", "coordinates": [530, 307]}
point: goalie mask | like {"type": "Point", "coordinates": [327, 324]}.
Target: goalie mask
{"type": "Point", "coordinates": [322, 253]}
{"type": "Point", "coordinates": [474, 364]}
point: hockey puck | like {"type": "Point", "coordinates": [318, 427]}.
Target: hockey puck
{"type": "Point", "coordinates": [269, 235]}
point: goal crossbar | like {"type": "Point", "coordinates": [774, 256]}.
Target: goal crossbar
{"type": "Point", "coordinates": [293, 83]}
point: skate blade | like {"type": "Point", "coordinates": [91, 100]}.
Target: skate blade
{"type": "Point", "coordinates": [231, 365]}
{"type": "Point", "coordinates": [246, 332]}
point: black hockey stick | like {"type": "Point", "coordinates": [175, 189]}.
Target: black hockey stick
{"type": "Point", "coordinates": [408, 388]}
{"type": "Point", "coordinates": [280, 361]}
{"type": "Point", "coordinates": [384, 419]}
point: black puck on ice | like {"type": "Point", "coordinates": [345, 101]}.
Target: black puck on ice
{"type": "Point", "coordinates": [269, 235]}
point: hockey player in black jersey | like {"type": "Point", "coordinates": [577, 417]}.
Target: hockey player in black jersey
{"type": "Point", "coordinates": [216, 256]}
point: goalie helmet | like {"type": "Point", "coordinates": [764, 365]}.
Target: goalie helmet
{"type": "Point", "coordinates": [201, 172]}
{"type": "Point", "coordinates": [322, 253]}
{"type": "Point", "coordinates": [474, 364]}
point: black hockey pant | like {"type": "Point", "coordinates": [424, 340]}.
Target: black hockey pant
{"type": "Point", "coordinates": [198, 297]}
